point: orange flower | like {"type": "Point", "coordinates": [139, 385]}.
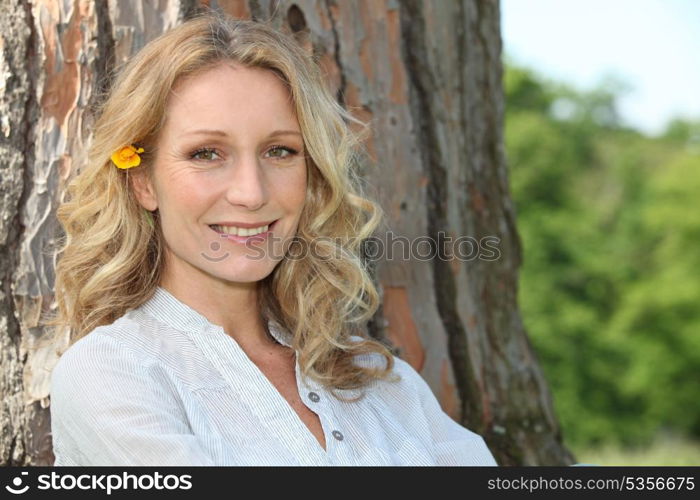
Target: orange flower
{"type": "Point", "coordinates": [127, 157]}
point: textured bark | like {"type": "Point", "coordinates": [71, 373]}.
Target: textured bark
{"type": "Point", "coordinates": [55, 58]}
{"type": "Point", "coordinates": [427, 75]}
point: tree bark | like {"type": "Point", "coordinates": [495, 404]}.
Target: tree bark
{"type": "Point", "coordinates": [426, 75]}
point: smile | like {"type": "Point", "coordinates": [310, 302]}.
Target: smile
{"type": "Point", "coordinates": [239, 231]}
{"type": "Point", "coordinates": [243, 235]}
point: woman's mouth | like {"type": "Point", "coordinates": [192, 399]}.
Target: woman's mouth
{"type": "Point", "coordinates": [244, 235]}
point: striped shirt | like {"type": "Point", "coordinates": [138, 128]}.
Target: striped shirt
{"type": "Point", "coordinates": [162, 385]}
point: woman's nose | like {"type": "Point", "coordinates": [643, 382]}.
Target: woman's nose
{"type": "Point", "coordinates": [246, 184]}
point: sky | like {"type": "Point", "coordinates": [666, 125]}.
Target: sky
{"type": "Point", "coordinates": [652, 45]}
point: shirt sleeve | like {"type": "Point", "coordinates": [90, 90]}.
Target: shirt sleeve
{"type": "Point", "coordinates": [110, 406]}
{"type": "Point", "coordinates": [454, 444]}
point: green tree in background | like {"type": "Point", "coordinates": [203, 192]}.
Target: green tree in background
{"type": "Point", "coordinates": [610, 285]}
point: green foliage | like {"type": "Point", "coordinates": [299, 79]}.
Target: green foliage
{"type": "Point", "coordinates": [609, 291]}
{"type": "Point", "coordinates": [665, 450]}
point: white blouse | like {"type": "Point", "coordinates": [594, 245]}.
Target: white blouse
{"type": "Point", "coordinates": [162, 385]}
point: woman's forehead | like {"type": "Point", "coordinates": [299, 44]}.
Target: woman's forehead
{"type": "Point", "coordinates": [234, 80]}
{"type": "Point", "coordinates": [224, 98]}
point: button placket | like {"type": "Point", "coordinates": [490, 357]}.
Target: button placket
{"type": "Point", "coordinates": [313, 399]}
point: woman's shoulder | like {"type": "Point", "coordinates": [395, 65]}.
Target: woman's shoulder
{"type": "Point", "coordinates": [94, 354]}
{"type": "Point", "coordinates": [134, 333]}
{"type": "Point", "coordinates": [104, 340]}
{"type": "Point", "coordinates": [136, 340]}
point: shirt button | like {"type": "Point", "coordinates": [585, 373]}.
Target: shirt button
{"type": "Point", "coordinates": [338, 435]}
{"type": "Point", "coordinates": [314, 397]}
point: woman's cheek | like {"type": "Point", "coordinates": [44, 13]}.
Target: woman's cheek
{"type": "Point", "coordinates": [285, 184]}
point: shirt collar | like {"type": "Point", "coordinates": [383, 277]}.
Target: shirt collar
{"type": "Point", "coordinates": [168, 309]}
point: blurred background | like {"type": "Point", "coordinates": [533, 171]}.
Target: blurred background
{"type": "Point", "coordinates": [603, 146]}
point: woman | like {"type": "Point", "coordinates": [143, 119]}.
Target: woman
{"type": "Point", "coordinates": [211, 278]}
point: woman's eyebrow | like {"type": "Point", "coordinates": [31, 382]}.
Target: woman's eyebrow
{"type": "Point", "coordinates": [284, 132]}
{"type": "Point", "coordinates": [224, 134]}
{"type": "Point", "coordinates": [205, 131]}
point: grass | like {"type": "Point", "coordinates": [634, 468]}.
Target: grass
{"type": "Point", "coordinates": [664, 450]}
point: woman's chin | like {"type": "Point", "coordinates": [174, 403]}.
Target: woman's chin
{"type": "Point", "coordinates": [244, 273]}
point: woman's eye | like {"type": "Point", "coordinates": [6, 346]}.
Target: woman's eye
{"type": "Point", "coordinates": [282, 149]}
{"type": "Point", "coordinates": [205, 154]}
{"type": "Point", "coordinates": [209, 154]}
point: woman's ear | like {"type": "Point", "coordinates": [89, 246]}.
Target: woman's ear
{"type": "Point", "coordinates": [142, 185]}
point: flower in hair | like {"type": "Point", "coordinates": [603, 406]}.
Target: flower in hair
{"type": "Point", "coordinates": [127, 157]}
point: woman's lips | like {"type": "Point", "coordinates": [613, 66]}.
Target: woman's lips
{"type": "Point", "coordinates": [245, 239]}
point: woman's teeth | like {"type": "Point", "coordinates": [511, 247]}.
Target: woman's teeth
{"type": "Point", "coordinates": [237, 231]}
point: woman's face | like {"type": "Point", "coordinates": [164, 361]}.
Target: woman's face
{"type": "Point", "coordinates": [230, 153]}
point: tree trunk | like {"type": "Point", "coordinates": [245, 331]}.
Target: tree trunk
{"type": "Point", "coordinates": [427, 75]}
